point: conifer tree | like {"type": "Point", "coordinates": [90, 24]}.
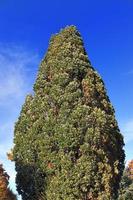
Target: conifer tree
{"type": "Point", "coordinates": [68, 145]}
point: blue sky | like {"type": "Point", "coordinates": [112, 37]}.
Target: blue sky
{"type": "Point", "coordinates": [25, 29]}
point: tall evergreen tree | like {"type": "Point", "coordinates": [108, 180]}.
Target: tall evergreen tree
{"type": "Point", "coordinates": [67, 141]}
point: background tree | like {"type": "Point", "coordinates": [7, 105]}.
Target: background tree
{"type": "Point", "coordinates": [126, 187]}
{"type": "Point", "coordinates": [5, 192]}
{"type": "Point", "coordinates": [67, 141]}
{"type": "Point", "coordinates": [130, 169]}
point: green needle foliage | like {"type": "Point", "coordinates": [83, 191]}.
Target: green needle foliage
{"type": "Point", "coordinates": [67, 142]}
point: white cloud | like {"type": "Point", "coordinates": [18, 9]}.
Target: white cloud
{"type": "Point", "coordinates": [15, 66]}
{"type": "Point", "coordinates": [127, 130]}
{"type": "Point", "coordinates": [128, 73]}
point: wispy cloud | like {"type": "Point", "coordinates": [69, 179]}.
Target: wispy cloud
{"type": "Point", "coordinates": [15, 66]}
{"type": "Point", "coordinates": [131, 72]}
{"type": "Point", "coordinates": [127, 130]}
{"type": "Point", "coordinates": [128, 73]}
{"type": "Point", "coordinates": [17, 72]}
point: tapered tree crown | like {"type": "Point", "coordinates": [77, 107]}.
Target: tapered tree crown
{"type": "Point", "coordinates": [67, 141]}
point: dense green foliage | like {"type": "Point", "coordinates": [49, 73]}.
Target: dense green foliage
{"type": "Point", "coordinates": [67, 142]}
{"type": "Point", "coordinates": [126, 187]}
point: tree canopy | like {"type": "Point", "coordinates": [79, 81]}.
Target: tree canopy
{"type": "Point", "coordinates": [67, 141]}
